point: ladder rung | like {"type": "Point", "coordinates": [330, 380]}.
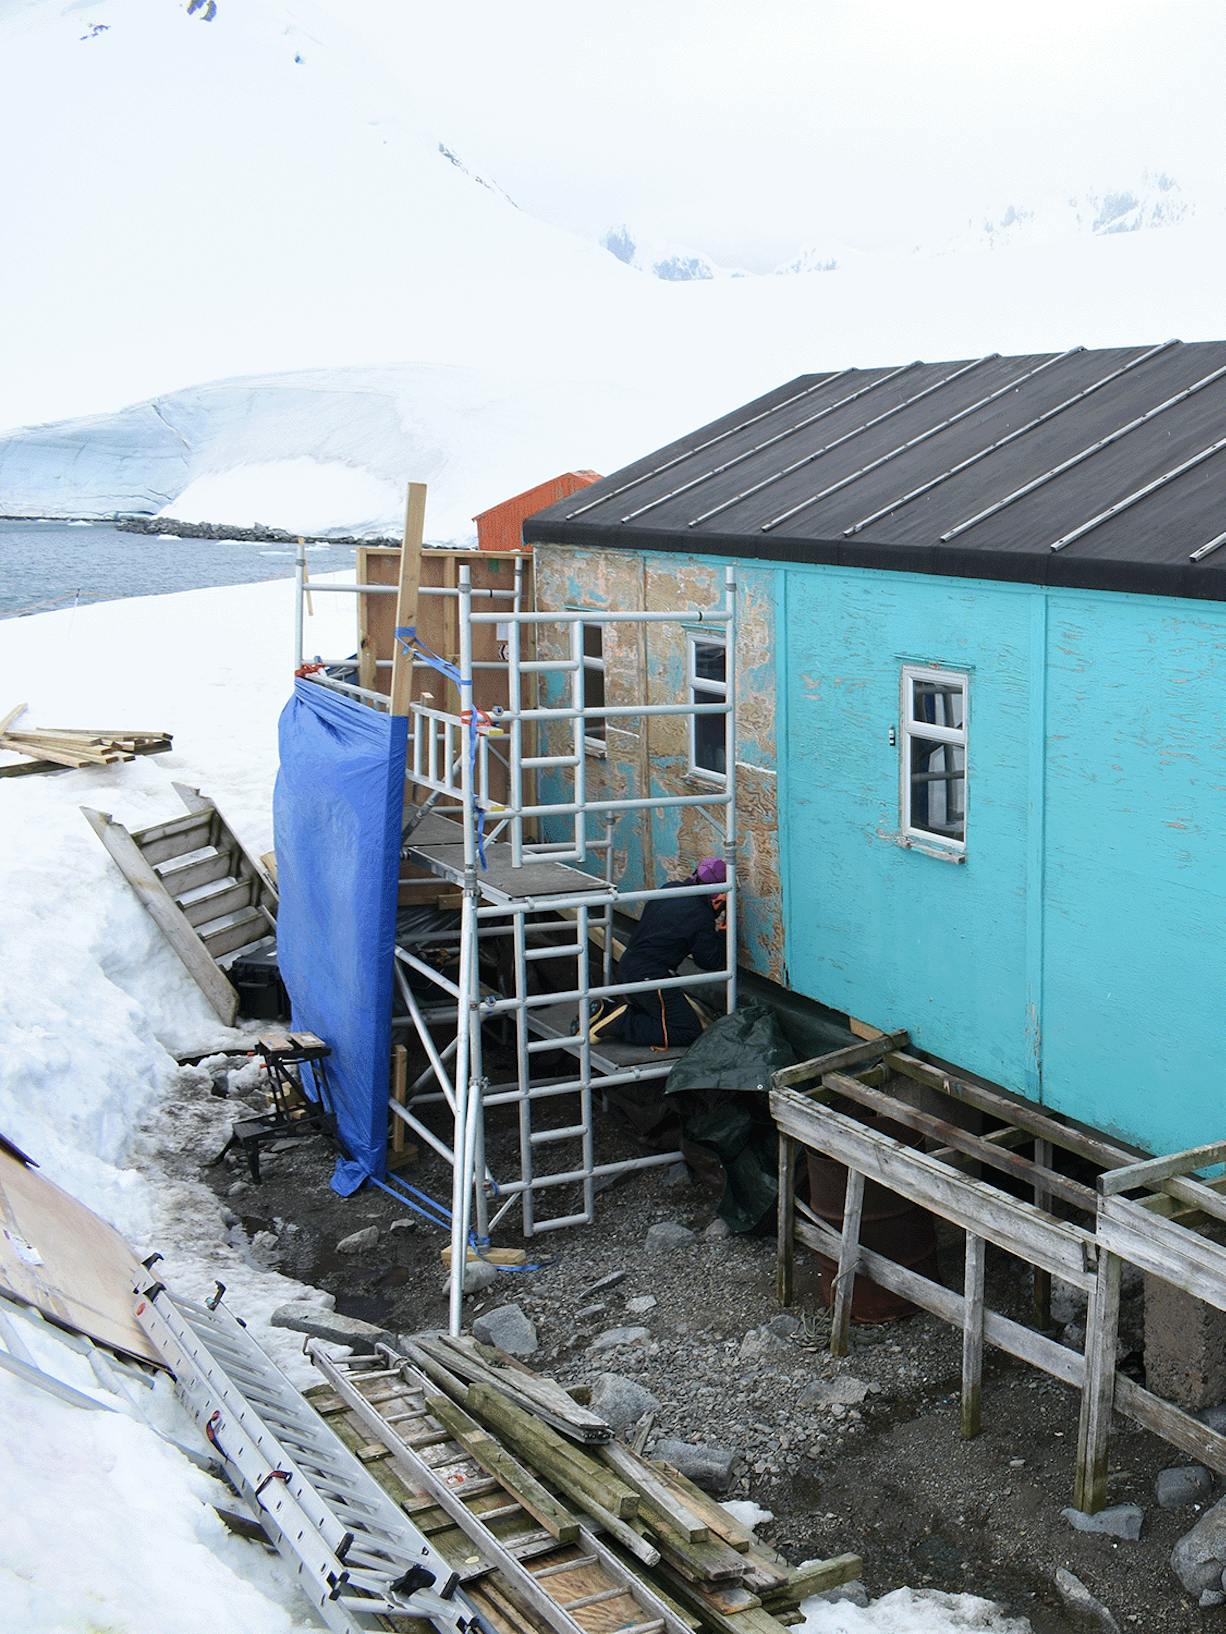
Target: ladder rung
{"type": "Point", "coordinates": [596, 1599]}
{"type": "Point", "coordinates": [572, 948]}
{"type": "Point", "coordinates": [486, 1515]}
{"type": "Point", "coordinates": [403, 1418]}
{"type": "Point", "coordinates": [434, 1439]}
{"type": "Point", "coordinates": [566, 1566]}
{"type": "Point", "coordinates": [655, 1626]}
{"type": "Point", "coordinates": [187, 876]}
{"type": "Point", "coordinates": [545, 1137]}
{"type": "Point", "coordinates": [227, 898]}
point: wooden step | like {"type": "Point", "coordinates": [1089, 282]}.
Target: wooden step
{"type": "Point", "coordinates": [189, 876]}
{"type": "Point", "coordinates": [229, 897]}
{"type": "Point", "coordinates": [175, 838]}
{"type": "Point", "coordinates": [249, 927]}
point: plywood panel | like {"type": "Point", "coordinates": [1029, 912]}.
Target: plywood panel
{"type": "Point", "coordinates": [58, 1256]}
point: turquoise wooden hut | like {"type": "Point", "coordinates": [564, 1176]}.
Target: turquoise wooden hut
{"type": "Point", "coordinates": [981, 705]}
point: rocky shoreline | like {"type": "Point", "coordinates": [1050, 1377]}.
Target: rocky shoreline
{"type": "Point", "coordinates": [256, 535]}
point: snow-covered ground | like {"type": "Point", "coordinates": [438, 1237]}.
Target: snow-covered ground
{"type": "Point", "coordinates": [107, 1526]}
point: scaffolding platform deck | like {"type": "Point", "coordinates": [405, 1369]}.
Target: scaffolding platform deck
{"type": "Point", "coordinates": [556, 1021]}
{"type": "Point", "coordinates": [437, 843]}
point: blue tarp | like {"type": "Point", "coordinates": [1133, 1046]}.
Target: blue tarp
{"type": "Point", "coordinates": [337, 816]}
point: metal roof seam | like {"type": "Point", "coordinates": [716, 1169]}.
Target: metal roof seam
{"type": "Point", "coordinates": [1138, 494]}
{"type": "Point", "coordinates": [748, 453]}
{"type": "Point", "coordinates": [873, 465]}
{"type": "Point", "coordinates": [743, 425]}
{"type": "Point", "coordinates": [1084, 454]}
{"type": "Point", "coordinates": [847, 436]}
{"type": "Point", "coordinates": [933, 482]}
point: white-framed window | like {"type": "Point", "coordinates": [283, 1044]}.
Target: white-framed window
{"type": "Point", "coordinates": [706, 674]}
{"type": "Point", "coordinates": [594, 733]}
{"type": "Point", "coordinates": [932, 754]}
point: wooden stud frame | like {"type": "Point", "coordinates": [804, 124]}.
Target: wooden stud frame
{"type": "Point", "coordinates": [1155, 1233]}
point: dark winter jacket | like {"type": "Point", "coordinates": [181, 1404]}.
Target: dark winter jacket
{"type": "Point", "coordinates": [671, 930]}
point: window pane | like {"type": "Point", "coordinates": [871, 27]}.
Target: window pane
{"type": "Point", "coordinates": [709, 740]}
{"type": "Point", "coordinates": [938, 788]}
{"type": "Point", "coordinates": [593, 640]}
{"type": "Point", "coordinates": [709, 661]}
{"type": "Point", "coordinates": [593, 698]}
{"type": "Point", "coordinates": [938, 703]}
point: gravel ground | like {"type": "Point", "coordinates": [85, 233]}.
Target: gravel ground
{"type": "Point", "coordinates": [873, 1462]}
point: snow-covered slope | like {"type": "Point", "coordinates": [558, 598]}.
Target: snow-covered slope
{"type": "Point", "coordinates": [195, 200]}
{"type": "Point", "coordinates": [330, 450]}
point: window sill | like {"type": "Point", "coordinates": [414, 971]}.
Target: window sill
{"type": "Point", "coordinates": [705, 781]}
{"type": "Point", "coordinates": [926, 848]}
{"type": "Point", "coordinates": [595, 751]}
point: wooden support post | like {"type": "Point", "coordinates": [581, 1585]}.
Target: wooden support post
{"type": "Point", "coordinates": [400, 1074]}
{"type": "Point", "coordinates": [972, 1337]}
{"type": "Point", "coordinates": [1098, 1390]}
{"type": "Point", "coordinates": [849, 1253]}
{"type": "Point", "coordinates": [785, 1250]}
{"type": "Point", "coordinates": [406, 598]}
{"type": "Point", "coordinates": [1043, 1151]}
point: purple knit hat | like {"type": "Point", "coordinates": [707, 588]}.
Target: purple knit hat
{"type": "Point", "coordinates": [711, 871]}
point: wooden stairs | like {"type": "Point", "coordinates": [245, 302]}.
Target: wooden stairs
{"type": "Point", "coordinates": [210, 898]}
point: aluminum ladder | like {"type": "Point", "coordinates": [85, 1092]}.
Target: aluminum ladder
{"type": "Point", "coordinates": [357, 1557]}
{"type": "Point", "coordinates": [540, 1586]}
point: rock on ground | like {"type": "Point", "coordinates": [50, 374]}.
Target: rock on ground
{"type": "Point", "coordinates": [1120, 1521]}
{"type": "Point", "coordinates": [508, 1329]}
{"type": "Point", "coordinates": [708, 1467]}
{"type": "Point", "coordinates": [620, 1401]}
{"type": "Point", "coordinates": [1183, 1485]}
{"type": "Point", "coordinates": [330, 1326]}
{"type": "Point", "coordinates": [1078, 1599]}
{"type": "Point", "coordinates": [844, 1391]}
{"type": "Point", "coordinates": [357, 1242]}
{"type": "Point", "coordinates": [667, 1236]}
{"type": "Point", "coordinates": [1199, 1558]}
{"type": "Point", "coordinates": [770, 1339]}
{"type": "Point", "coordinates": [478, 1276]}
{"type": "Point", "coordinates": [614, 1338]}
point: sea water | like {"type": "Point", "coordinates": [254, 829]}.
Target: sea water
{"type": "Point", "coordinates": [54, 564]}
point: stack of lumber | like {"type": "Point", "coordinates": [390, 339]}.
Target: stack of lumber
{"type": "Point", "coordinates": [50, 746]}
{"type": "Point", "coordinates": [681, 1541]}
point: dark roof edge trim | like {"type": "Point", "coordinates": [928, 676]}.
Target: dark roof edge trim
{"type": "Point", "coordinates": [1069, 572]}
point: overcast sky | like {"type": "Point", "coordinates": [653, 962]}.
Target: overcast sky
{"type": "Point", "coordinates": [751, 128]}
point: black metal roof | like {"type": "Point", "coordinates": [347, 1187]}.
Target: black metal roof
{"type": "Point", "coordinates": [1095, 469]}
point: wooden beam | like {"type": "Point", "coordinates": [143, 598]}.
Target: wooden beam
{"type": "Point", "coordinates": [785, 1242]}
{"type": "Point", "coordinates": [1148, 1173]}
{"type": "Point", "coordinates": [845, 1275]}
{"type": "Point", "coordinates": [962, 1140]}
{"type": "Point", "coordinates": [850, 1055]}
{"type": "Point", "coordinates": [972, 1337]}
{"type": "Point", "coordinates": [406, 596]}
{"type": "Point", "coordinates": [1098, 1392]}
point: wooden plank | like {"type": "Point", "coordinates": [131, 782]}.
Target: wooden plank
{"type": "Point", "coordinates": [1041, 1290]}
{"type": "Point", "coordinates": [986, 1152]}
{"type": "Point", "coordinates": [496, 1461]}
{"type": "Point", "coordinates": [367, 655]}
{"type": "Point", "coordinates": [1164, 1249]}
{"type": "Point", "coordinates": [972, 1337]}
{"type": "Point", "coordinates": [59, 1257]}
{"type": "Point", "coordinates": [1098, 1392]}
{"type": "Point", "coordinates": [815, 1578]}
{"type": "Point", "coordinates": [249, 927]}
{"type": "Point", "coordinates": [495, 1256]}
{"type": "Point", "coordinates": [654, 1489]}
{"type": "Point", "coordinates": [845, 1276]}
{"type": "Point", "coordinates": [1016, 1226]}
{"type": "Point", "coordinates": [14, 714]}
{"type": "Point", "coordinates": [850, 1055]}
{"type": "Point", "coordinates": [1135, 1175]}
{"type": "Point", "coordinates": [578, 1475]}
{"type": "Point", "coordinates": [1009, 1110]}
{"type": "Point", "coordinates": [165, 913]}
{"type": "Point", "coordinates": [406, 596]}
{"type": "Point", "coordinates": [785, 1240]}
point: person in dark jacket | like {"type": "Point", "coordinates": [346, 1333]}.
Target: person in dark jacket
{"type": "Point", "coordinates": [671, 930]}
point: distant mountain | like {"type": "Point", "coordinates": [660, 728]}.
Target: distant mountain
{"type": "Point", "coordinates": [1155, 201]}
{"type": "Point", "coordinates": [675, 266]}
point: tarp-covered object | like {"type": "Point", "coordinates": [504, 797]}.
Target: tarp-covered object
{"type": "Point", "coordinates": [722, 1081]}
{"type": "Point", "coordinates": [337, 816]}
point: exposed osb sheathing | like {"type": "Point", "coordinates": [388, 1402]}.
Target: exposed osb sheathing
{"type": "Point", "coordinates": [648, 663]}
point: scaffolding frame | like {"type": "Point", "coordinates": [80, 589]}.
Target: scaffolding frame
{"type": "Point", "coordinates": [527, 890]}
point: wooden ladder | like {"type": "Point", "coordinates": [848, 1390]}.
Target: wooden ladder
{"type": "Point", "coordinates": [520, 1568]}
{"type": "Point", "coordinates": [209, 897]}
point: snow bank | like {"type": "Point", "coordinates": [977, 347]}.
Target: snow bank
{"type": "Point", "coordinates": [92, 1000]}
{"type": "Point", "coordinates": [910, 1611]}
{"type": "Point", "coordinates": [301, 495]}
{"type": "Point", "coordinates": [108, 1527]}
